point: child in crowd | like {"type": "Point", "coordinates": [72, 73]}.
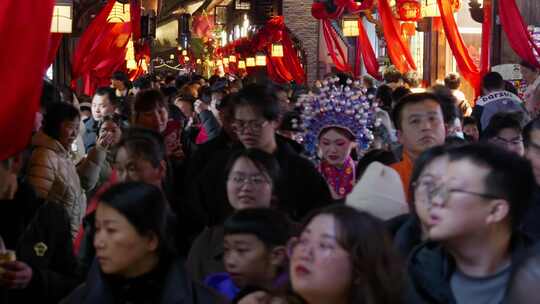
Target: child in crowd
{"type": "Point", "coordinates": [254, 255]}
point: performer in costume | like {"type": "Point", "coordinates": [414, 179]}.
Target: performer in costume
{"type": "Point", "coordinates": [336, 120]}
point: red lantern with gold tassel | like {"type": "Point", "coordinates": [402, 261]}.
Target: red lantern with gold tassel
{"type": "Point", "coordinates": [408, 10]}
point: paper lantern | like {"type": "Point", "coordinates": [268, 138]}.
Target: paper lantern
{"type": "Point", "coordinates": [219, 62]}
{"type": "Point", "coordinates": [277, 50]}
{"type": "Point", "coordinates": [408, 29]}
{"type": "Point", "coordinates": [171, 57]}
{"type": "Point", "coordinates": [408, 10]}
{"type": "Point", "coordinates": [232, 58]}
{"type": "Point", "coordinates": [62, 20]}
{"type": "Point", "coordinates": [186, 59]}
{"type": "Point", "coordinates": [350, 28]}
{"type": "Point", "coordinates": [179, 47]}
{"type": "Point", "coordinates": [241, 64]}
{"type": "Point", "coordinates": [260, 59]}
{"type": "Point", "coordinates": [226, 61]}
{"type": "Point", "coordinates": [198, 61]}
{"type": "Point", "coordinates": [119, 13]}
{"type": "Point", "coordinates": [184, 53]}
{"type": "Point", "coordinates": [250, 62]}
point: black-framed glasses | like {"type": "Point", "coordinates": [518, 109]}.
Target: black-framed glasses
{"type": "Point", "coordinates": [433, 190]}
{"type": "Point", "coordinates": [253, 125]}
{"type": "Point", "coordinates": [255, 180]}
{"type": "Point", "coordinates": [507, 142]}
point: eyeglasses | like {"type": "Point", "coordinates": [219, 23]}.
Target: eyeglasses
{"type": "Point", "coordinates": [433, 190]}
{"type": "Point", "coordinates": [505, 142]}
{"type": "Point", "coordinates": [322, 249]}
{"type": "Point", "coordinates": [253, 125]}
{"type": "Point", "coordinates": [255, 180]}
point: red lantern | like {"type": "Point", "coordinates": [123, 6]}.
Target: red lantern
{"type": "Point", "coordinates": [408, 29]}
{"type": "Point", "coordinates": [408, 10]}
{"type": "Point", "coordinates": [456, 4]}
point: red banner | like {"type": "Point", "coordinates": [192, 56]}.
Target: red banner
{"type": "Point", "coordinates": [465, 63]}
{"type": "Point", "coordinates": [398, 51]}
{"type": "Point", "coordinates": [516, 30]}
{"type": "Point", "coordinates": [25, 31]}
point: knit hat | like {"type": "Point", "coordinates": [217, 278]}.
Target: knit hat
{"type": "Point", "coordinates": [379, 192]}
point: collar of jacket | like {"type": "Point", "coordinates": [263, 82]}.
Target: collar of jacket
{"type": "Point", "coordinates": [430, 268]}
{"type": "Point", "coordinates": [175, 289]}
{"type": "Point", "coordinates": [41, 139]}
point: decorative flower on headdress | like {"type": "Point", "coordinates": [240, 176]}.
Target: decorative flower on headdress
{"type": "Point", "coordinates": [341, 106]}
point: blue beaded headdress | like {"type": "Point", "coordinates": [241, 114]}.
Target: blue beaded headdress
{"type": "Point", "coordinates": [342, 106]}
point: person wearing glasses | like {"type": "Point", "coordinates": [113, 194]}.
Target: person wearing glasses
{"type": "Point", "coordinates": [474, 214]}
{"type": "Point", "coordinates": [504, 130]}
{"type": "Point", "coordinates": [256, 117]}
{"type": "Point", "coordinates": [251, 176]}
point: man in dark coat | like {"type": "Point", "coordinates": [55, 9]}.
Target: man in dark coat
{"type": "Point", "coordinates": [256, 118]}
{"type": "Point", "coordinates": [103, 103]}
{"type": "Point", "coordinates": [475, 212]}
{"type": "Point", "coordinates": [46, 269]}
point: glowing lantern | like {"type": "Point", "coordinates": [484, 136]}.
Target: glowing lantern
{"type": "Point", "coordinates": [171, 57]}
{"type": "Point", "coordinates": [241, 64]}
{"type": "Point", "coordinates": [186, 59]}
{"type": "Point", "coordinates": [277, 50]}
{"type": "Point", "coordinates": [250, 62]}
{"type": "Point", "coordinates": [184, 53]}
{"type": "Point", "coordinates": [119, 13]}
{"type": "Point", "coordinates": [131, 64]}
{"type": "Point", "coordinates": [219, 62]}
{"type": "Point", "coordinates": [408, 29]}
{"type": "Point", "coordinates": [62, 20]}
{"type": "Point", "coordinates": [409, 10]}
{"type": "Point", "coordinates": [350, 28]}
{"type": "Point", "coordinates": [260, 59]}
{"type": "Point", "coordinates": [232, 58]}
{"type": "Point", "coordinates": [225, 61]}
{"type": "Point", "coordinates": [198, 61]}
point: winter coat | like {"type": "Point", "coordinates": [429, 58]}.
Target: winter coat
{"type": "Point", "coordinates": [170, 285]}
{"type": "Point", "coordinates": [55, 178]}
{"type": "Point", "coordinates": [206, 254]}
{"type": "Point", "coordinates": [210, 124]}
{"type": "Point", "coordinates": [300, 187]}
{"type": "Point", "coordinates": [46, 247]}
{"type": "Point", "coordinates": [430, 269]}
{"type": "Point", "coordinates": [89, 135]}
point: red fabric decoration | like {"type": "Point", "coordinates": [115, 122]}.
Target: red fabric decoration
{"type": "Point", "coordinates": [398, 51]}
{"type": "Point", "coordinates": [203, 26]}
{"type": "Point", "coordinates": [408, 10]}
{"type": "Point", "coordinates": [54, 43]}
{"type": "Point", "coordinates": [516, 31]}
{"type": "Point", "coordinates": [368, 54]}
{"type": "Point", "coordinates": [464, 61]}
{"type": "Point", "coordinates": [101, 51]}
{"type": "Point", "coordinates": [25, 30]}
{"type": "Point", "coordinates": [486, 34]}
{"type": "Point", "coordinates": [332, 42]}
{"type": "Point", "coordinates": [135, 12]}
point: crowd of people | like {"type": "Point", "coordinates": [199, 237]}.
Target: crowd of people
{"type": "Point", "coordinates": [181, 189]}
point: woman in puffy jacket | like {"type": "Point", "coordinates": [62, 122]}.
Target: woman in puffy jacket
{"type": "Point", "coordinates": [51, 170]}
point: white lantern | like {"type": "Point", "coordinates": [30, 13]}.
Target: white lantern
{"type": "Point", "coordinates": [62, 20]}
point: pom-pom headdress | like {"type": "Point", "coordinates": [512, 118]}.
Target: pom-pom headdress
{"type": "Point", "coordinates": [341, 106]}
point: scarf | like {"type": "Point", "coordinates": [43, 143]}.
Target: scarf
{"type": "Point", "coordinates": [341, 180]}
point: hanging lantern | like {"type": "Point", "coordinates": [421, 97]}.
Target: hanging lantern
{"type": "Point", "coordinates": [219, 62]}
{"type": "Point", "coordinates": [241, 64]}
{"type": "Point", "coordinates": [260, 59]}
{"type": "Point", "coordinates": [184, 53]}
{"type": "Point", "coordinates": [179, 47]}
{"type": "Point", "coordinates": [232, 58]}
{"type": "Point", "coordinates": [250, 62]}
{"type": "Point", "coordinates": [119, 13]}
{"type": "Point", "coordinates": [277, 50]}
{"type": "Point", "coordinates": [171, 57]}
{"type": "Point", "coordinates": [225, 61]}
{"type": "Point", "coordinates": [408, 29]}
{"type": "Point", "coordinates": [62, 20]}
{"type": "Point", "coordinates": [408, 10]}
{"type": "Point", "coordinates": [186, 59]}
{"type": "Point", "coordinates": [350, 28]}
{"type": "Point", "coordinates": [198, 61]}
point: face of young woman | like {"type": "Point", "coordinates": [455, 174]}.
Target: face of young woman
{"type": "Point", "coordinates": [247, 186]}
{"type": "Point", "coordinates": [335, 147]}
{"type": "Point", "coordinates": [120, 249]}
{"type": "Point", "coordinates": [320, 268]}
